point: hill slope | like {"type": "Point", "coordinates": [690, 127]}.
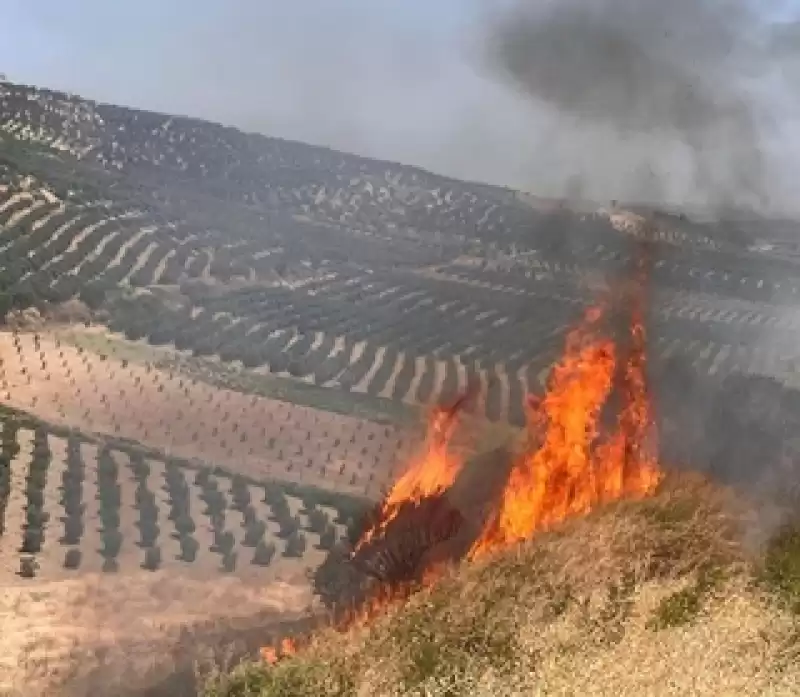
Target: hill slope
{"type": "Point", "coordinates": [296, 273]}
{"type": "Point", "coordinates": [659, 597]}
{"type": "Point", "coordinates": [381, 284]}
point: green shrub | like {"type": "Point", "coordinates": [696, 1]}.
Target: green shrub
{"type": "Point", "coordinates": [295, 545]}
{"type": "Point", "coordinates": [318, 521]}
{"type": "Point", "coordinates": [72, 559]}
{"type": "Point", "coordinates": [327, 540]}
{"type": "Point", "coordinates": [264, 554]}
{"type": "Point", "coordinates": [683, 606]}
{"type": "Point", "coordinates": [781, 568]}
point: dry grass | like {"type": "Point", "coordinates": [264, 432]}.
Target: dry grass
{"type": "Point", "coordinates": [652, 598]}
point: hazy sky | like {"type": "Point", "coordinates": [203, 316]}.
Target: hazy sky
{"type": "Point", "coordinates": [388, 79]}
{"type": "Point", "coordinates": [401, 79]}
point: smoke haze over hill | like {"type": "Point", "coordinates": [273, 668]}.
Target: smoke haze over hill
{"type": "Point", "coordinates": [683, 102]}
{"type": "Point", "coordinates": [685, 73]}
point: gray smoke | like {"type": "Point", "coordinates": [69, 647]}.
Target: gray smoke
{"type": "Point", "coordinates": [678, 87]}
{"type": "Point", "coordinates": [664, 100]}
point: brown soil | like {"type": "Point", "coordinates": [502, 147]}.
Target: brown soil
{"type": "Point", "coordinates": [251, 435]}
{"type": "Point", "coordinates": [87, 630]}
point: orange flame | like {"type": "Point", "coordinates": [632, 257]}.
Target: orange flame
{"type": "Point", "coordinates": [627, 462]}
{"type": "Point", "coordinates": [432, 473]}
{"type": "Point", "coordinates": [567, 467]}
{"type": "Point", "coordinates": [565, 473]}
{"type": "Point", "coordinates": [271, 654]}
{"type": "Point", "coordinates": [378, 603]}
{"type": "Point", "coordinates": [555, 480]}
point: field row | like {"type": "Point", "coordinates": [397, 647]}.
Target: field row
{"type": "Point", "coordinates": [339, 364]}
{"type": "Point", "coordinates": [68, 505]}
{"type": "Point", "coordinates": [416, 340]}
{"type": "Point", "coordinates": [752, 280]}
{"type": "Point", "coordinates": [394, 371]}
{"type": "Point", "coordinates": [173, 413]}
{"type": "Point", "coordinates": [417, 316]}
{"type": "Point", "coordinates": [719, 358]}
{"type": "Point", "coordinates": [702, 302]}
{"type": "Point", "coordinates": [262, 171]}
{"type": "Point", "coordinates": [52, 249]}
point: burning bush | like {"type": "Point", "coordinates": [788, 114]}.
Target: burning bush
{"type": "Point", "coordinates": [572, 461]}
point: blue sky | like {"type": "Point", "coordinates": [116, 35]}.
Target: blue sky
{"type": "Point", "coordinates": [399, 79]}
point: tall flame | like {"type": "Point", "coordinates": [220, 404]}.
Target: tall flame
{"type": "Point", "coordinates": [430, 474]}
{"type": "Point", "coordinates": [566, 473]}
{"type": "Point", "coordinates": [272, 654]}
{"type": "Point", "coordinates": [569, 465]}
{"type": "Point", "coordinates": [627, 462]}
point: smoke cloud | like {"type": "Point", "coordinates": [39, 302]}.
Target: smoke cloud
{"type": "Point", "coordinates": [680, 101]}
{"type": "Point", "coordinates": [675, 100]}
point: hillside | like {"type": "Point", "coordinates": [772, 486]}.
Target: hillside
{"type": "Point", "coordinates": [219, 350]}
{"type": "Point", "coordinates": [378, 283]}
{"type": "Point", "coordinates": [662, 597]}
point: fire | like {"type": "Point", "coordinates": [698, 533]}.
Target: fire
{"type": "Point", "coordinates": [569, 469]}
{"type": "Point", "coordinates": [430, 474]}
{"type": "Point", "coordinates": [380, 602]}
{"type": "Point", "coordinates": [572, 462]}
{"type": "Point", "coordinates": [271, 654]}
{"type": "Point", "coordinates": [627, 462]}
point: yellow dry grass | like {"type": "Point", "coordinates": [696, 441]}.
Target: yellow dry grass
{"type": "Point", "coordinates": [648, 598]}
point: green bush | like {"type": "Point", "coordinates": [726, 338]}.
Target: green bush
{"type": "Point", "coordinates": [264, 554]}
{"type": "Point", "coordinates": [295, 545]}
{"type": "Point", "coordinates": [781, 568]}
{"type": "Point", "coordinates": [152, 559]}
{"type": "Point", "coordinates": [72, 559]}
{"type": "Point", "coordinates": [289, 526]}
{"type": "Point", "coordinates": [318, 521]}
{"type": "Point", "coordinates": [327, 540]}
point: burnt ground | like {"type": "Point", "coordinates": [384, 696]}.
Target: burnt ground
{"type": "Point", "coordinates": [195, 652]}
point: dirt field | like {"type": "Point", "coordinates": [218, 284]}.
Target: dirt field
{"type": "Point", "coordinates": [251, 435]}
{"type": "Point", "coordinates": [73, 627]}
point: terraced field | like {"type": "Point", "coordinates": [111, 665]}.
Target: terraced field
{"type": "Point", "coordinates": [70, 505]}
{"type": "Point", "coordinates": [217, 344]}
{"type": "Point", "coordinates": [365, 287]}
